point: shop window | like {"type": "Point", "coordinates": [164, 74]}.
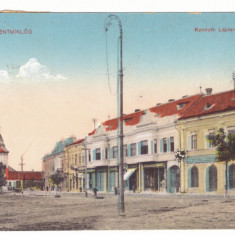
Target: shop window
{"type": "Point", "coordinates": [97, 154]}
{"type": "Point", "coordinates": [194, 177]}
{"type": "Point", "coordinates": [144, 147]}
{"type": "Point", "coordinates": [172, 146]}
{"type": "Point", "coordinates": [164, 145]}
{"type": "Point", "coordinates": [133, 149]}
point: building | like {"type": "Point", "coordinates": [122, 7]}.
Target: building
{"type": "Point", "coordinates": [3, 152]}
{"type": "Point", "coordinates": [150, 137]}
{"type": "Point", "coordinates": [26, 179]}
{"type": "Point", "coordinates": [200, 172]}
{"type": "Point", "coordinates": [55, 162]}
{"type": "Point", "coordinates": [74, 166]}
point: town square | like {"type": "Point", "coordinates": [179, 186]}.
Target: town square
{"type": "Point", "coordinates": [117, 121]}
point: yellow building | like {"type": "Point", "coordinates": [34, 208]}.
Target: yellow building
{"type": "Point", "coordinates": [199, 171]}
{"type": "Point", "coordinates": [74, 166]}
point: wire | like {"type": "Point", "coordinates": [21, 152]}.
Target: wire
{"type": "Point", "coordinates": [107, 63]}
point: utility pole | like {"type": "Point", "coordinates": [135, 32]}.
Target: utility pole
{"type": "Point", "coordinates": [21, 164]}
{"type": "Point", "coordinates": [108, 22]}
{"type": "Point", "coordinates": [85, 172]}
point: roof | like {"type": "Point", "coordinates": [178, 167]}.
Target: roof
{"type": "Point", "coordinates": [76, 142]}
{"type": "Point", "coordinates": [2, 146]}
{"type": "Point", "coordinates": [170, 108]}
{"type": "Point", "coordinates": [27, 175]}
{"type": "Point", "coordinates": [59, 147]}
{"type": "Point", "coordinates": [167, 109]}
{"type": "Point", "coordinates": [214, 103]}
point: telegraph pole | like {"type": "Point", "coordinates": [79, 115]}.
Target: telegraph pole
{"type": "Point", "coordinates": [108, 22]}
{"type": "Point", "coordinates": [85, 149]}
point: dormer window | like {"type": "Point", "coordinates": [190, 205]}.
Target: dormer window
{"type": "Point", "coordinates": [208, 106]}
{"type": "Point", "coordinates": [180, 106]}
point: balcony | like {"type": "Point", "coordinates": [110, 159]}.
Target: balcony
{"type": "Point", "coordinates": [98, 163]}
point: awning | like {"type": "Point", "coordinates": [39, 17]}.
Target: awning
{"type": "Point", "coordinates": [129, 173]}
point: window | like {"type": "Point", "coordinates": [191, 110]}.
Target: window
{"type": "Point", "coordinates": [106, 153]}
{"type": "Point", "coordinates": [76, 156]}
{"type": "Point", "coordinates": [172, 144]}
{"type": "Point", "coordinates": [155, 146]}
{"type": "Point", "coordinates": [194, 177]}
{"type": "Point", "coordinates": [194, 142]}
{"type": "Point", "coordinates": [164, 145]}
{"type": "Point", "coordinates": [83, 158]}
{"type": "Point", "coordinates": [133, 149]}
{"type": "Point", "coordinates": [97, 154]}
{"type": "Point", "coordinates": [80, 158]}
{"type": "Point", "coordinates": [89, 155]}
{"type": "Point", "coordinates": [125, 150]}
{"type": "Point", "coordinates": [115, 152]}
{"type": "Point", "coordinates": [144, 147]}
{"type": "Point", "coordinates": [180, 106]}
{"type": "Point", "coordinates": [209, 145]}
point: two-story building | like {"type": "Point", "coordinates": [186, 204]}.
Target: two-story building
{"type": "Point", "coordinates": [74, 166]}
{"type": "Point", "coordinates": [54, 162]}
{"type": "Point", "coordinates": [201, 173]}
{"type": "Point", "coordinates": [150, 138]}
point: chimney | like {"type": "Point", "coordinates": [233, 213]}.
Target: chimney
{"type": "Point", "coordinates": [208, 91]}
{"type": "Point", "coordinates": [170, 100]}
{"type": "Point", "coordinates": [137, 110]}
{"type": "Point", "coordinates": [159, 104]}
{"type": "Point", "coordinates": [184, 96]}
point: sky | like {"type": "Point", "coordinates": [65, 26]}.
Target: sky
{"type": "Point", "coordinates": [54, 80]}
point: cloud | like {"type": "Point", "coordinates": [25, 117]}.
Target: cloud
{"type": "Point", "coordinates": [4, 76]}
{"type": "Point", "coordinates": [34, 71]}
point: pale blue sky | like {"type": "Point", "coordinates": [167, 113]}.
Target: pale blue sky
{"type": "Point", "coordinates": [163, 58]}
{"type": "Point", "coordinates": [74, 44]}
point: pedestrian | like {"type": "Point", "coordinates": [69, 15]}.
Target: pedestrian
{"type": "Point", "coordinates": [134, 188]}
{"type": "Point", "coordinates": [47, 188]}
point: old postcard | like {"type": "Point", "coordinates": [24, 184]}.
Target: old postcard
{"type": "Point", "coordinates": [117, 121]}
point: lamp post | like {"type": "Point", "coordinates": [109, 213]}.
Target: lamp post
{"type": "Point", "coordinates": [85, 171]}
{"type": "Point", "coordinates": [108, 23]}
{"type": "Point", "coordinates": [180, 156]}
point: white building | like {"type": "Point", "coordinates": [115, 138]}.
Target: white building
{"type": "Point", "coordinates": [150, 139]}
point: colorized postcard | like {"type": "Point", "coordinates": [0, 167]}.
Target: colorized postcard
{"type": "Point", "coordinates": [117, 121]}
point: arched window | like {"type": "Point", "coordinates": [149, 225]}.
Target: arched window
{"type": "Point", "coordinates": [212, 178]}
{"type": "Point", "coordinates": [194, 176]}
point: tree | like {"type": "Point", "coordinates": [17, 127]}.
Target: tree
{"type": "Point", "coordinates": [225, 150]}
{"type": "Point", "coordinates": [3, 181]}
{"type": "Point", "coordinates": [56, 179]}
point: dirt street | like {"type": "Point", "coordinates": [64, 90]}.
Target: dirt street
{"type": "Point", "coordinates": [42, 211]}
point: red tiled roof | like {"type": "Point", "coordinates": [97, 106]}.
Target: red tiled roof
{"type": "Point", "coordinates": [76, 142]}
{"type": "Point", "coordinates": [219, 102]}
{"type": "Point", "coordinates": [3, 151]}
{"type": "Point", "coordinates": [164, 110]}
{"type": "Point", "coordinates": [129, 120]}
{"type": "Point", "coordinates": [92, 133]}
{"type": "Point", "coordinates": [170, 108]}
{"type": "Point", "coordinates": [27, 175]}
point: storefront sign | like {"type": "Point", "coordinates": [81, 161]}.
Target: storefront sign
{"type": "Point", "coordinates": [154, 165]}
{"type": "Point", "coordinates": [200, 159]}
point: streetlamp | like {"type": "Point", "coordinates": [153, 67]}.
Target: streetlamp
{"type": "Point", "coordinates": [180, 156]}
{"type": "Point", "coordinates": [107, 24]}
{"type": "Point", "coordinates": [85, 171]}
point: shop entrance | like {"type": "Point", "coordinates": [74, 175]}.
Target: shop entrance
{"type": "Point", "coordinates": [154, 179]}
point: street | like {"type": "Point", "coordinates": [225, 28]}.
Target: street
{"type": "Point", "coordinates": [72, 211]}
